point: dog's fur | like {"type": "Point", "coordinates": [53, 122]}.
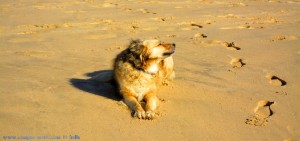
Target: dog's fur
{"type": "Point", "coordinates": [139, 70]}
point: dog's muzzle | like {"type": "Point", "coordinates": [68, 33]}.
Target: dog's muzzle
{"type": "Point", "coordinates": [173, 46]}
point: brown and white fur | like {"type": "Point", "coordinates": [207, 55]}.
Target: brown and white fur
{"type": "Point", "coordinates": [139, 70]}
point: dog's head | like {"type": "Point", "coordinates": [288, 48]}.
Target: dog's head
{"type": "Point", "coordinates": [152, 49]}
{"type": "Point", "coordinates": [148, 53]}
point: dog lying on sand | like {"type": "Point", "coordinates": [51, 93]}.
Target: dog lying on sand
{"type": "Point", "coordinates": [139, 70]}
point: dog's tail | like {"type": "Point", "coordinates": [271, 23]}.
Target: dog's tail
{"type": "Point", "coordinates": [104, 77]}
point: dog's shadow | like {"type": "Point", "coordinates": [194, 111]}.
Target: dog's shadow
{"type": "Point", "coordinates": [104, 89]}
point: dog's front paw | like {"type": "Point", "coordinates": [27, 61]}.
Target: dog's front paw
{"type": "Point", "coordinates": [150, 115]}
{"type": "Point", "coordinates": [139, 114]}
{"type": "Point", "coordinates": [172, 76]}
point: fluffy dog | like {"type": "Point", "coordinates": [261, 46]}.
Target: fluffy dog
{"type": "Point", "coordinates": [139, 70]}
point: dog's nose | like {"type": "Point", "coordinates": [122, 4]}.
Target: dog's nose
{"type": "Point", "coordinates": [174, 45]}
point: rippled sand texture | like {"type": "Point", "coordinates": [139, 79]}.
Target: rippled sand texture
{"type": "Point", "coordinates": [237, 69]}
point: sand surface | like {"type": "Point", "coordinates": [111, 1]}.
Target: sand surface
{"type": "Point", "coordinates": [237, 66]}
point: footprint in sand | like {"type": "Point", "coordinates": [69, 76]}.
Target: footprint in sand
{"type": "Point", "coordinates": [163, 19]}
{"type": "Point", "coordinates": [242, 27]}
{"type": "Point", "coordinates": [231, 46]}
{"type": "Point", "coordinates": [31, 29]}
{"type": "Point", "coordinates": [197, 25]}
{"type": "Point", "coordinates": [237, 4]}
{"type": "Point", "coordinates": [199, 36]}
{"type": "Point", "coordinates": [171, 35]}
{"type": "Point", "coordinates": [106, 5]}
{"type": "Point", "coordinates": [145, 11]}
{"type": "Point", "coordinates": [237, 63]}
{"type": "Point", "coordinates": [228, 45]}
{"type": "Point", "coordinates": [282, 38]}
{"type": "Point", "coordinates": [191, 26]}
{"type": "Point", "coordinates": [262, 113]}
{"type": "Point", "coordinates": [275, 81]}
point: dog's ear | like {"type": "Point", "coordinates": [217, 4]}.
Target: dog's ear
{"type": "Point", "coordinates": [134, 45]}
{"type": "Point", "coordinates": [137, 47]}
{"type": "Point", "coordinates": [138, 53]}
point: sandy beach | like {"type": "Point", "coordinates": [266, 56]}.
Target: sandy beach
{"type": "Point", "coordinates": [237, 66]}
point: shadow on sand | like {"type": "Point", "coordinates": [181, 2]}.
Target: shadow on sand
{"type": "Point", "coordinates": [105, 89]}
